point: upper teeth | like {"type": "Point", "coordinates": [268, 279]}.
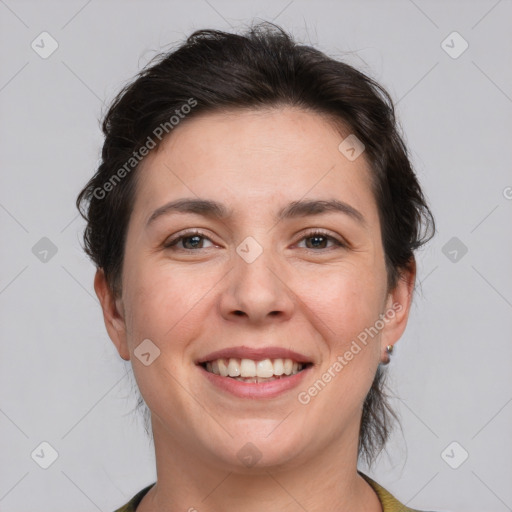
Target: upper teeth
{"type": "Point", "coordinates": [234, 367]}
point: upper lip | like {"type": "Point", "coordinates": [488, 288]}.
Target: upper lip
{"type": "Point", "coordinates": [256, 354]}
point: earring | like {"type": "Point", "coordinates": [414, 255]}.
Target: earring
{"type": "Point", "coordinates": [389, 351]}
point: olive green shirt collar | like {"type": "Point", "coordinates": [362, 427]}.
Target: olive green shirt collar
{"type": "Point", "coordinates": [388, 502]}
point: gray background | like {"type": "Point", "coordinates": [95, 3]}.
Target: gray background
{"type": "Point", "coordinates": [61, 380]}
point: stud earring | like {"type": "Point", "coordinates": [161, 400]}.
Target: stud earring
{"type": "Point", "coordinates": [389, 351]}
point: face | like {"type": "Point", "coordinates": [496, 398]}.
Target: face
{"type": "Point", "coordinates": [277, 276]}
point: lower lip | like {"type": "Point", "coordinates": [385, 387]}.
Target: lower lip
{"type": "Point", "coordinates": [268, 389]}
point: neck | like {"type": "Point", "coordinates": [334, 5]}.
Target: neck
{"type": "Point", "coordinates": [186, 481]}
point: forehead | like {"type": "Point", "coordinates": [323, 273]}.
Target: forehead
{"type": "Point", "coordinates": [253, 159]}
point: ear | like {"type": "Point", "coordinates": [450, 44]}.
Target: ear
{"type": "Point", "coordinates": [398, 305]}
{"type": "Point", "coordinates": [113, 314]}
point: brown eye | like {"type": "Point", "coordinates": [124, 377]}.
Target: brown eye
{"type": "Point", "coordinates": [319, 239]}
{"type": "Point", "coordinates": [190, 241]}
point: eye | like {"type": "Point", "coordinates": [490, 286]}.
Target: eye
{"type": "Point", "coordinates": [319, 238]}
{"type": "Point", "coordinates": [190, 241]}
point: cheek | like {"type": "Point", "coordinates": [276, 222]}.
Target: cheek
{"type": "Point", "coordinates": [345, 302]}
{"type": "Point", "coordinates": [162, 301]}
{"type": "Point", "coordinates": [165, 306]}
{"type": "Point", "coordinates": [343, 309]}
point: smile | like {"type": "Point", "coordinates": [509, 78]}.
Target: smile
{"type": "Point", "coordinates": [255, 372]}
{"type": "Point", "coordinates": [252, 371]}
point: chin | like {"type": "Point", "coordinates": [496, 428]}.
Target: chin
{"type": "Point", "coordinates": [266, 447]}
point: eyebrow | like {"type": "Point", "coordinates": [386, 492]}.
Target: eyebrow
{"type": "Point", "coordinates": [215, 210]}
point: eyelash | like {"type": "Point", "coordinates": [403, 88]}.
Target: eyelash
{"type": "Point", "coordinates": [310, 234]}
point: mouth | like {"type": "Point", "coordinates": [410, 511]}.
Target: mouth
{"type": "Point", "coordinates": [254, 371]}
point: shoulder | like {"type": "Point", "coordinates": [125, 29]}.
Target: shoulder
{"type": "Point", "coordinates": [131, 506]}
{"type": "Point", "coordinates": [388, 501]}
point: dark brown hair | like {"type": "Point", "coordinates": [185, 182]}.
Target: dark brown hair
{"type": "Point", "coordinates": [218, 71]}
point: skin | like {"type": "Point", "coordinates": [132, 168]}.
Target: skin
{"type": "Point", "coordinates": [312, 299]}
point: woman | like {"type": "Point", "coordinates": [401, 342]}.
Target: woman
{"type": "Point", "coordinates": [253, 223]}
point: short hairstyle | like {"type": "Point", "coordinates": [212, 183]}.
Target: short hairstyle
{"type": "Point", "coordinates": [215, 71]}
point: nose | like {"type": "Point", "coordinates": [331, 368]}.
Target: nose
{"type": "Point", "coordinates": [257, 292]}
